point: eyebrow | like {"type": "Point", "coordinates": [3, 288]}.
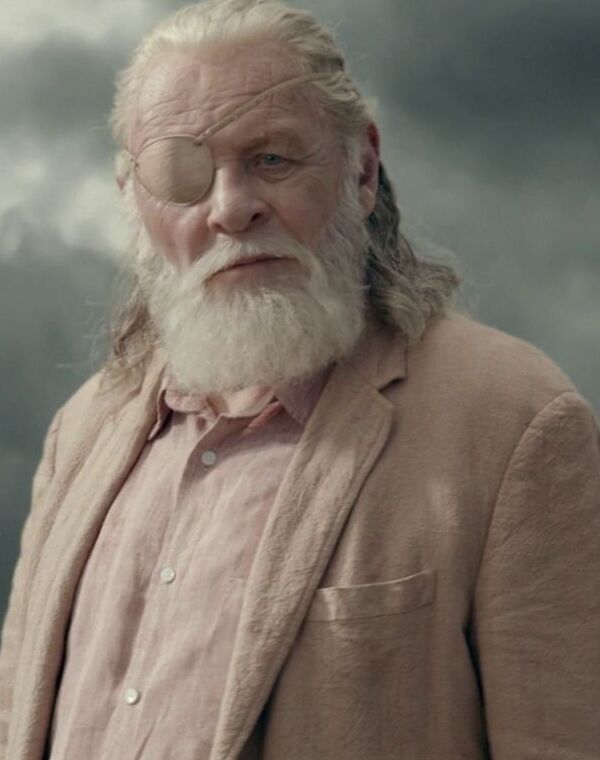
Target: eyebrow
{"type": "Point", "coordinates": [291, 138]}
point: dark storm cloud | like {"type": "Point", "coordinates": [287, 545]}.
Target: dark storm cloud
{"type": "Point", "coordinates": [509, 83]}
{"type": "Point", "coordinates": [46, 348]}
{"type": "Point", "coordinates": [59, 89]}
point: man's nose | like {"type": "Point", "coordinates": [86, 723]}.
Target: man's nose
{"type": "Point", "coordinates": [235, 203]}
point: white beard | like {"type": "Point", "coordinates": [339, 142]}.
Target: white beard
{"type": "Point", "coordinates": [219, 342]}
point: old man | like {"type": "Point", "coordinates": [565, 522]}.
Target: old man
{"type": "Point", "coordinates": [307, 510]}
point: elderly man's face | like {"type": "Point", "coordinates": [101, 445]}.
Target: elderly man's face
{"type": "Point", "coordinates": [277, 167]}
{"type": "Point", "coordinates": [281, 187]}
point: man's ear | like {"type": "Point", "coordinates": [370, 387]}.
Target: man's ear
{"type": "Point", "coordinates": [369, 176]}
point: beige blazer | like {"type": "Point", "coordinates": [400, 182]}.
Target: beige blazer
{"type": "Point", "coordinates": [428, 583]}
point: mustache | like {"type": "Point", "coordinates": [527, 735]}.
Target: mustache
{"type": "Point", "coordinates": [226, 251]}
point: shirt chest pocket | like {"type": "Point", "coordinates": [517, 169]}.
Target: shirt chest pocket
{"type": "Point", "coordinates": [373, 600]}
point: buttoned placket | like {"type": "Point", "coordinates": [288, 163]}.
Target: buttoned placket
{"type": "Point", "coordinates": [205, 450]}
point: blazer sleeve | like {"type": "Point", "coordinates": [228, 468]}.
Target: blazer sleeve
{"type": "Point", "coordinates": [15, 621]}
{"type": "Point", "coordinates": [536, 614]}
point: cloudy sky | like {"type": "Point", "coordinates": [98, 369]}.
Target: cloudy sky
{"type": "Point", "coordinates": [490, 118]}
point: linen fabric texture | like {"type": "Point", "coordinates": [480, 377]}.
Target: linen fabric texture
{"type": "Point", "coordinates": [158, 602]}
{"type": "Point", "coordinates": [427, 582]}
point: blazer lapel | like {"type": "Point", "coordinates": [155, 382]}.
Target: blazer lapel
{"type": "Point", "coordinates": [340, 444]}
{"type": "Point", "coordinates": [84, 505]}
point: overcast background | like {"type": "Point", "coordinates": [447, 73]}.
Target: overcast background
{"type": "Point", "coordinates": [490, 120]}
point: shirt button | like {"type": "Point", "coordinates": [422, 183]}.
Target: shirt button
{"type": "Point", "coordinates": [208, 458]}
{"type": "Point", "coordinates": [167, 575]}
{"type": "Point", "coordinates": [132, 696]}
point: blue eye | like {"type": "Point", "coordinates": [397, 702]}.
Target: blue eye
{"type": "Point", "coordinates": [273, 160]}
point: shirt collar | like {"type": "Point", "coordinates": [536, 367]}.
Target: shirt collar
{"type": "Point", "coordinates": [297, 397]}
{"type": "Point", "coordinates": [379, 357]}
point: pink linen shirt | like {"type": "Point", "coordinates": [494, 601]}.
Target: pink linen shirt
{"type": "Point", "coordinates": [158, 602]}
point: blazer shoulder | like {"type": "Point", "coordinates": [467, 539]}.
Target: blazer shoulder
{"type": "Point", "coordinates": [98, 400]}
{"type": "Point", "coordinates": [90, 400]}
{"type": "Point", "coordinates": [488, 365]}
{"type": "Point", "coordinates": [81, 398]}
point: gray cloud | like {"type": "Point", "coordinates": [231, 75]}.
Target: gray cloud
{"type": "Point", "coordinates": [60, 87]}
{"type": "Point", "coordinates": [51, 313]}
{"type": "Point", "coordinates": [502, 85]}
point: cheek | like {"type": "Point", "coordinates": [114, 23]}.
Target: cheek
{"type": "Point", "coordinates": [306, 209]}
{"type": "Point", "coordinates": [165, 226]}
{"type": "Point", "coordinates": [152, 215]}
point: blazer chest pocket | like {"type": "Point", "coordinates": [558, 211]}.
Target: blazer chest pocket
{"type": "Point", "coordinates": [372, 600]}
{"type": "Point", "coordinates": [357, 676]}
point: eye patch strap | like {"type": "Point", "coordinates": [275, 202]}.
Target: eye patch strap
{"type": "Point", "coordinates": [240, 111]}
{"type": "Point", "coordinates": [226, 120]}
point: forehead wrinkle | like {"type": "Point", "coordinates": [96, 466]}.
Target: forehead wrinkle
{"type": "Point", "coordinates": [191, 103]}
{"type": "Point", "coordinates": [269, 121]}
{"type": "Point", "coordinates": [180, 75]}
{"type": "Point", "coordinates": [279, 105]}
{"type": "Point", "coordinates": [292, 113]}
